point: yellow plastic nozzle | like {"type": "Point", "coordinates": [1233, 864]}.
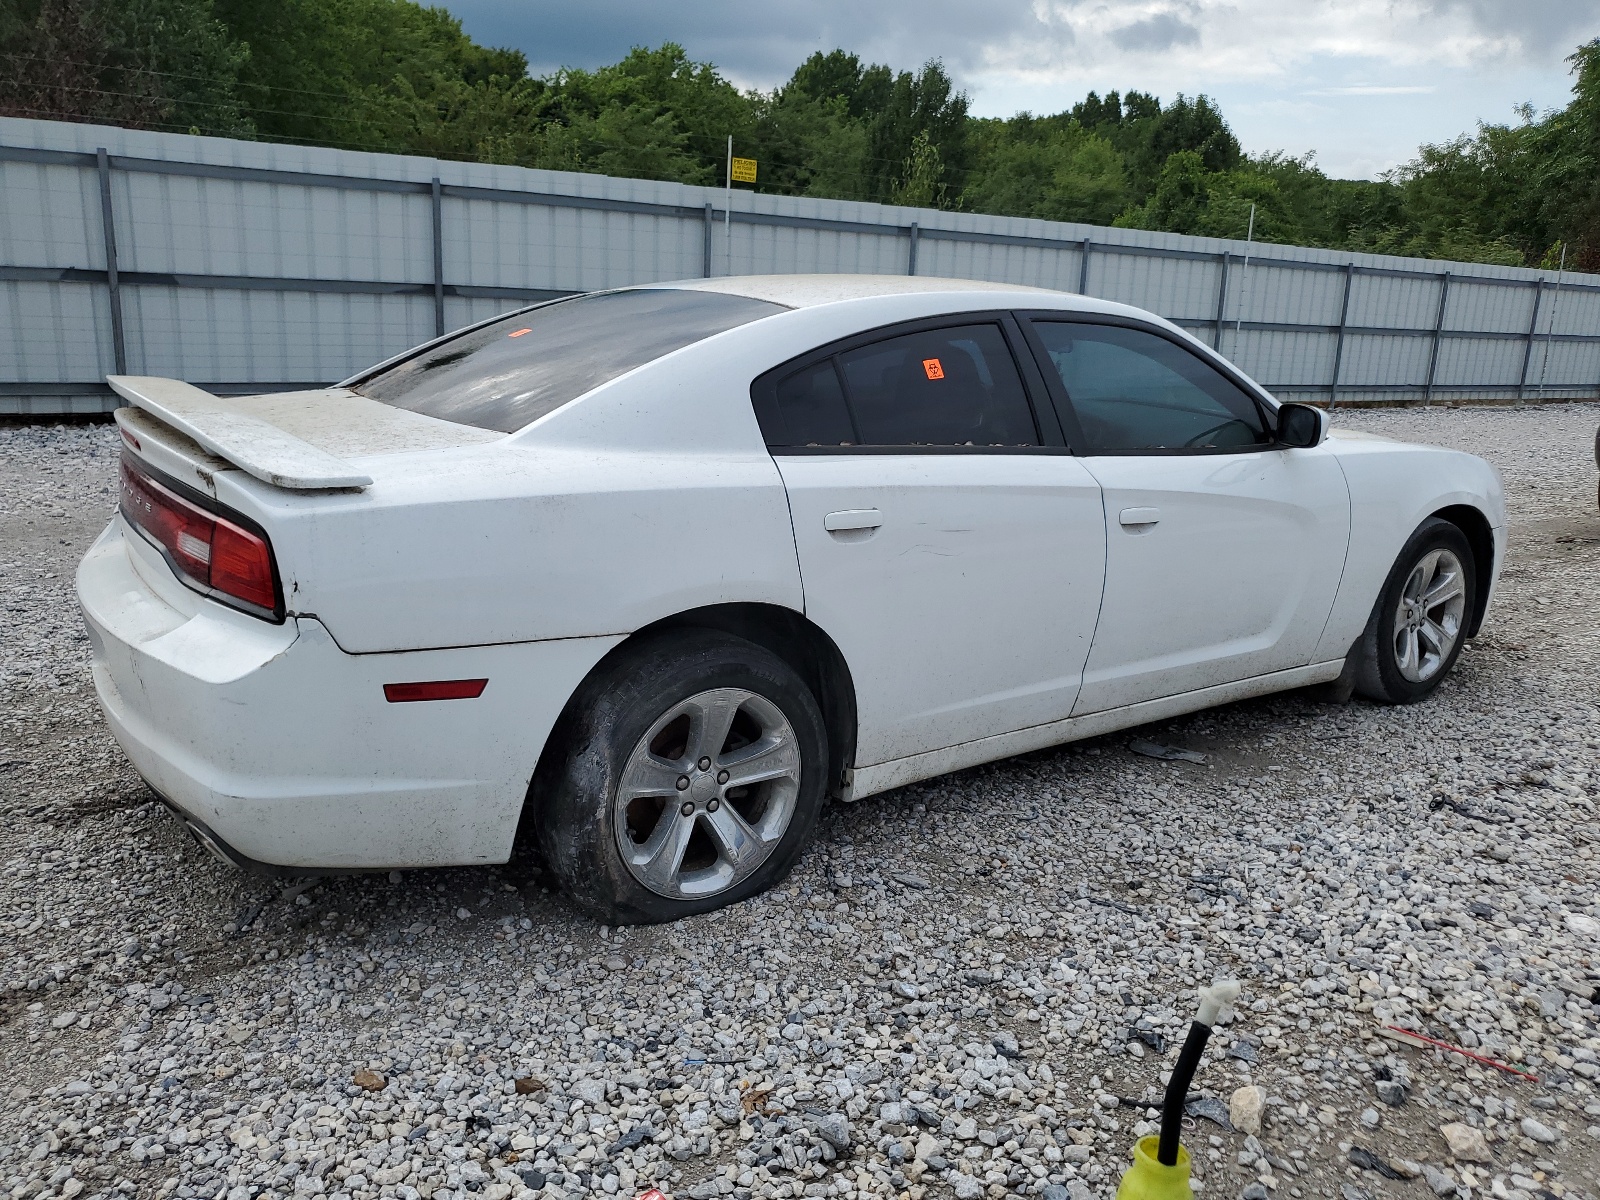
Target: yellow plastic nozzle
{"type": "Point", "coordinates": [1148, 1179]}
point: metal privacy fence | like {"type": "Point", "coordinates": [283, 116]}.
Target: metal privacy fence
{"type": "Point", "coordinates": [247, 266]}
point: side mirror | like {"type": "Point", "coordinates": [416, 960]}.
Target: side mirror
{"type": "Point", "coordinates": [1300, 426]}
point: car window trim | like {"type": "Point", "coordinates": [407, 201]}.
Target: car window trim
{"type": "Point", "coordinates": [811, 451]}
{"type": "Point", "coordinates": [1046, 424]}
{"type": "Point", "coordinates": [1266, 408]}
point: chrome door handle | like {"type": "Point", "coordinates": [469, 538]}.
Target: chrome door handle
{"type": "Point", "coordinates": [852, 518]}
{"type": "Point", "coordinates": [1139, 518]}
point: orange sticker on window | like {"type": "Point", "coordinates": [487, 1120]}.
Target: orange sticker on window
{"type": "Point", "coordinates": [519, 332]}
{"type": "Point", "coordinates": [933, 367]}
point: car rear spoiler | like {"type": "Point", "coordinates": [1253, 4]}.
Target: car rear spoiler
{"type": "Point", "coordinates": [255, 446]}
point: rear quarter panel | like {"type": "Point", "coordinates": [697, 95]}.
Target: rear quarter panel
{"type": "Point", "coordinates": [521, 543]}
{"type": "Point", "coordinates": [1394, 487]}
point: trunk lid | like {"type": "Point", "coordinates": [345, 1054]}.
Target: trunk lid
{"type": "Point", "coordinates": [298, 441]}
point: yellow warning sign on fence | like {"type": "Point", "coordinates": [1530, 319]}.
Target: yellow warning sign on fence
{"type": "Point", "coordinates": [744, 170]}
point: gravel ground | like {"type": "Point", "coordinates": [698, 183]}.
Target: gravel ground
{"type": "Point", "coordinates": [970, 987]}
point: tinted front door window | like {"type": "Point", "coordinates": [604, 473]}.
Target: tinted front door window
{"type": "Point", "coordinates": [942, 387]}
{"type": "Point", "coordinates": [1132, 390]}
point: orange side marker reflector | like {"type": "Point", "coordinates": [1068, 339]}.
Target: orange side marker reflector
{"type": "Point", "coordinates": [933, 367]}
{"type": "Point", "coordinates": [438, 689]}
{"type": "Point", "coordinates": [519, 332]}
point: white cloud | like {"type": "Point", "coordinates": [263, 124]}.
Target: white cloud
{"type": "Point", "coordinates": [1387, 74]}
{"type": "Point", "coordinates": [1359, 83]}
{"type": "Point", "coordinates": [1207, 42]}
{"type": "Point", "coordinates": [1375, 89]}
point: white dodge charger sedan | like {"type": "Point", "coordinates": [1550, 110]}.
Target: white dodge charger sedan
{"type": "Point", "coordinates": [648, 574]}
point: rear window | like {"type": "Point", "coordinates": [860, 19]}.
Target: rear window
{"type": "Point", "coordinates": [512, 371]}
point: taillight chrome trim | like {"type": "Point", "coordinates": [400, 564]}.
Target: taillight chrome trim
{"type": "Point", "coordinates": [188, 495]}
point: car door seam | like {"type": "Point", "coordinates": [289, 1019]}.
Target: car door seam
{"type": "Point", "coordinates": [1105, 576]}
{"type": "Point", "coordinates": [1344, 566]}
{"type": "Point", "coordinates": [794, 536]}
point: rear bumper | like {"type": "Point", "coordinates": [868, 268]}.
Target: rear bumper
{"type": "Point", "coordinates": [282, 747]}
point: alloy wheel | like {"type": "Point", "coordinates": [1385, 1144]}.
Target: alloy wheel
{"type": "Point", "coordinates": [707, 794]}
{"type": "Point", "coordinates": [1427, 621]}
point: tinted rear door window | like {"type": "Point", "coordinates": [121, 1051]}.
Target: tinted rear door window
{"type": "Point", "coordinates": [811, 409]}
{"type": "Point", "coordinates": [956, 386]}
{"type": "Point", "coordinates": [512, 371]}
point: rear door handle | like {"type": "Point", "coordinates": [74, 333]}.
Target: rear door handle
{"type": "Point", "coordinates": [852, 518]}
{"type": "Point", "coordinates": [1139, 518]}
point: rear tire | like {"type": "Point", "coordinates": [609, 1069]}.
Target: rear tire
{"type": "Point", "coordinates": [686, 775]}
{"type": "Point", "coordinates": [1420, 622]}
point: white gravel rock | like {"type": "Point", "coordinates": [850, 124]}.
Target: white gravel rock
{"type": "Point", "coordinates": [1538, 1131]}
{"type": "Point", "coordinates": [1245, 1107]}
{"type": "Point", "coordinates": [950, 980]}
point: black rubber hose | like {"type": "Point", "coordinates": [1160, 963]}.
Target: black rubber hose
{"type": "Point", "coordinates": [1194, 1045]}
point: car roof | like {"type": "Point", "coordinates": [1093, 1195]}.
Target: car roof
{"type": "Point", "coordinates": [809, 291]}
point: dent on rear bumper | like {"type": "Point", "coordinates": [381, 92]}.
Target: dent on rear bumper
{"type": "Point", "coordinates": [284, 746]}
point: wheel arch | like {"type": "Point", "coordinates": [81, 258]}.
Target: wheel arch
{"type": "Point", "coordinates": [1480, 536]}
{"type": "Point", "coordinates": [812, 654]}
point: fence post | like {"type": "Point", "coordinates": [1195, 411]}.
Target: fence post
{"type": "Point", "coordinates": [1338, 346]}
{"type": "Point", "coordinates": [1550, 325]}
{"type": "Point", "coordinates": [438, 260]}
{"type": "Point", "coordinates": [706, 251]}
{"type": "Point", "coordinates": [911, 258]}
{"type": "Point", "coordinates": [1533, 328]}
{"type": "Point", "coordinates": [1222, 301]}
{"type": "Point", "coordinates": [1083, 270]}
{"type": "Point", "coordinates": [1438, 337]}
{"type": "Point", "coordinates": [119, 346]}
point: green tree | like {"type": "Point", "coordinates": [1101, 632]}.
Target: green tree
{"type": "Point", "coordinates": [1510, 191]}
{"type": "Point", "coordinates": [807, 146]}
{"type": "Point", "coordinates": [373, 74]}
{"type": "Point", "coordinates": [1569, 147]}
{"type": "Point", "coordinates": [1048, 168]}
{"type": "Point", "coordinates": [148, 64]}
{"type": "Point", "coordinates": [927, 105]}
{"type": "Point", "coordinates": [1188, 198]}
{"type": "Point", "coordinates": [1148, 134]}
{"type": "Point", "coordinates": [840, 76]}
{"type": "Point", "coordinates": [921, 183]}
{"type": "Point", "coordinates": [679, 114]}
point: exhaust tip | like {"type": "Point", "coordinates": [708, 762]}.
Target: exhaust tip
{"type": "Point", "coordinates": [216, 848]}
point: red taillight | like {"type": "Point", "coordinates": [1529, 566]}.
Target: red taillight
{"type": "Point", "coordinates": [437, 689]}
{"type": "Point", "coordinates": [241, 565]}
{"type": "Point", "coordinates": [208, 550]}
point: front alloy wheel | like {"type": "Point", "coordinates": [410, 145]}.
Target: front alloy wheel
{"type": "Point", "coordinates": [1427, 621]}
{"type": "Point", "coordinates": [1421, 619]}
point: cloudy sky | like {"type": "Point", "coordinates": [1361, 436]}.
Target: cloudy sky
{"type": "Point", "coordinates": [1360, 82]}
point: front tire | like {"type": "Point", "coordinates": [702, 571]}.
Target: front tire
{"type": "Point", "coordinates": [686, 775]}
{"type": "Point", "coordinates": [1422, 616]}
